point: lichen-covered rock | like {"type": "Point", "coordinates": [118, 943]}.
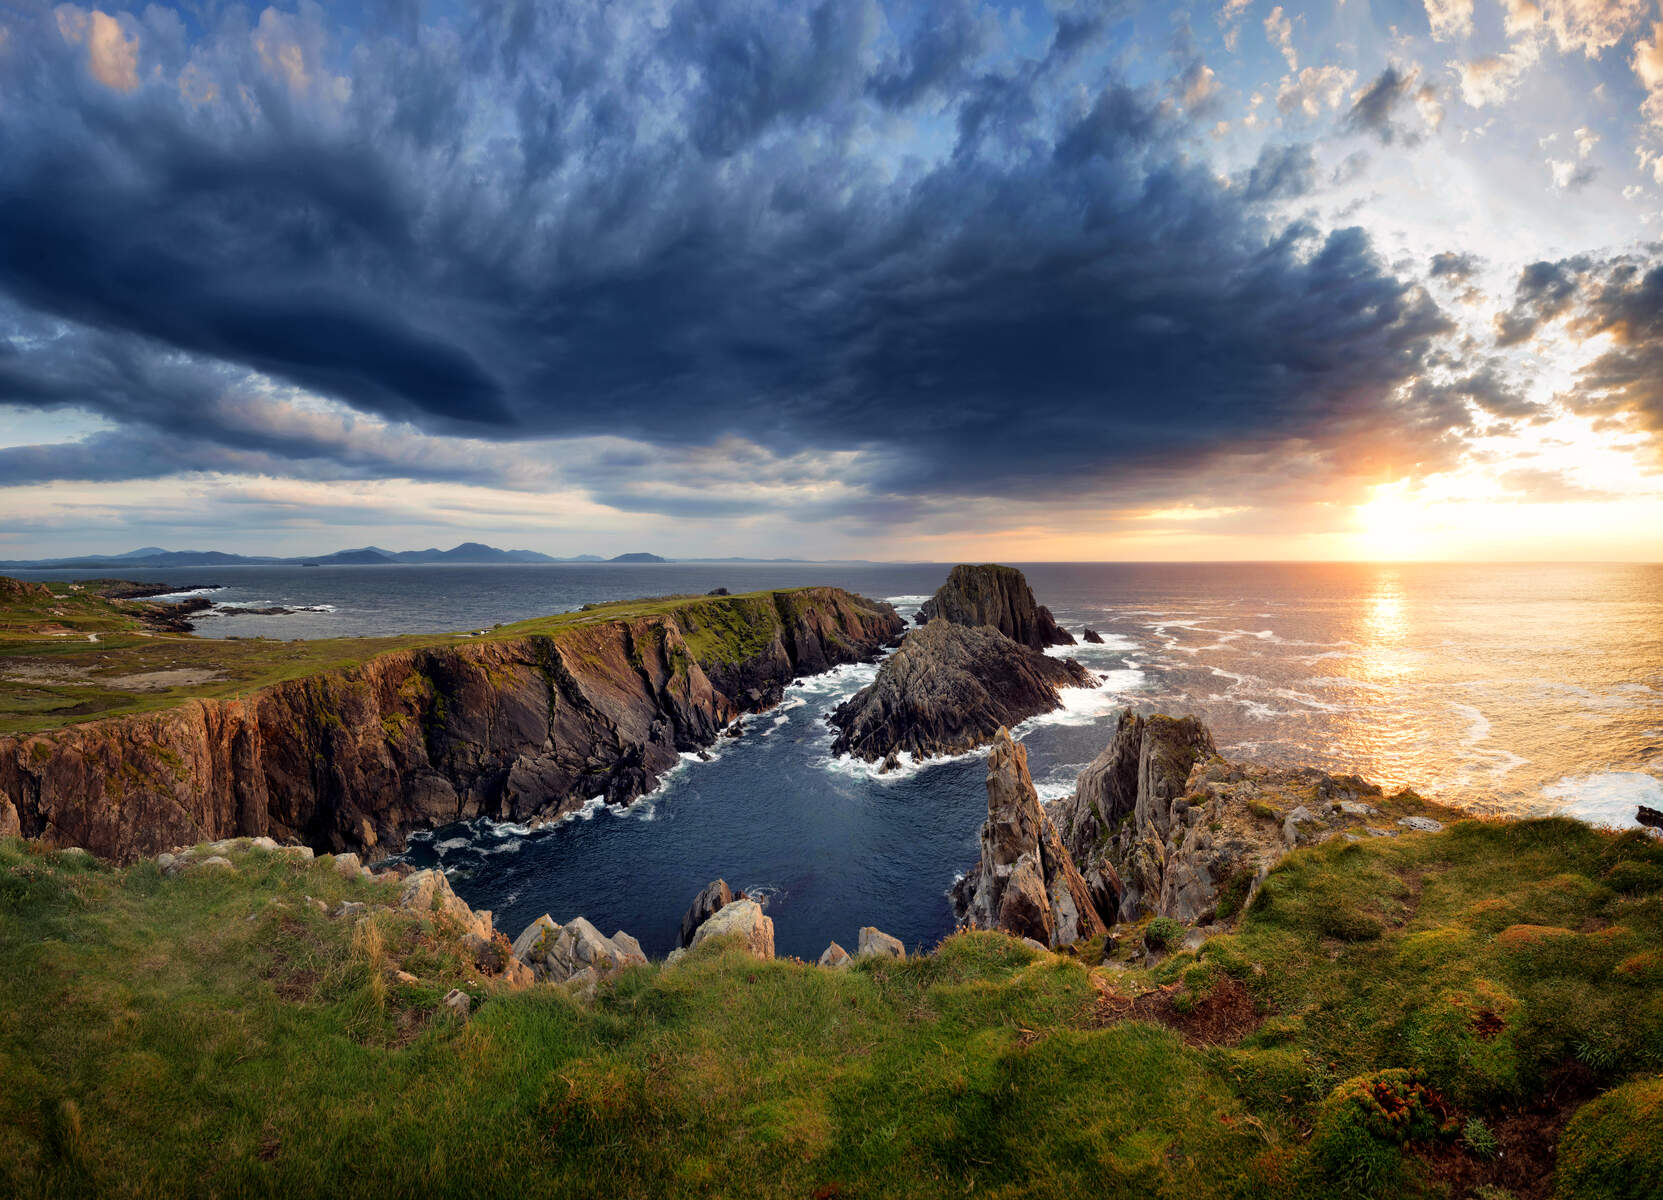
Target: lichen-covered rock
{"type": "Point", "coordinates": [875, 943]}
{"type": "Point", "coordinates": [1025, 882]}
{"type": "Point", "coordinates": [558, 953]}
{"type": "Point", "coordinates": [743, 918]}
{"type": "Point", "coordinates": [948, 689]}
{"type": "Point", "coordinates": [996, 595]}
{"type": "Point", "coordinates": [706, 904]}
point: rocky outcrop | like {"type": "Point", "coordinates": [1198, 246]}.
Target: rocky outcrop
{"type": "Point", "coordinates": [875, 943]}
{"type": "Point", "coordinates": [705, 905]}
{"type": "Point", "coordinates": [509, 728]}
{"type": "Point", "coordinates": [575, 952]}
{"type": "Point", "coordinates": [1650, 817]}
{"type": "Point", "coordinates": [991, 594]}
{"type": "Point", "coordinates": [744, 919]}
{"type": "Point", "coordinates": [948, 689]}
{"type": "Point", "coordinates": [1181, 833]}
{"type": "Point", "coordinates": [1092, 636]}
{"type": "Point", "coordinates": [1025, 882]}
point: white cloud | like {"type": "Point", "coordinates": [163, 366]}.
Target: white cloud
{"type": "Point", "coordinates": [1314, 89]}
{"type": "Point", "coordinates": [1280, 32]}
{"type": "Point", "coordinates": [112, 56]}
{"type": "Point", "coordinates": [1449, 18]}
{"type": "Point", "coordinates": [1491, 79]}
{"type": "Point", "coordinates": [1591, 26]}
{"type": "Point", "coordinates": [1648, 65]}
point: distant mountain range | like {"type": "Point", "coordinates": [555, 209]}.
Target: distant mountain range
{"type": "Point", "coordinates": [366, 556]}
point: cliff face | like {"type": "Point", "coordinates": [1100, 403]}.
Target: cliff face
{"type": "Point", "coordinates": [950, 688]}
{"type": "Point", "coordinates": [511, 729]}
{"type": "Point", "coordinates": [991, 594]}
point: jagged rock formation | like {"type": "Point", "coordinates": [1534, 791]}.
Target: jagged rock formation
{"type": "Point", "coordinates": [705, 905]}
{"type": "Point", "coordinates": [1181, 833]}
{"type": "Point", "coordinates": [510, 728]}
{"type": "Point", "coordinates": [1025, 882]}
{"type": "Point", "coordinates": [996, 595]}
{"type": "Point", "coordinates": [575, 952]}
{"type": "Point", "coordinates": [948, 689]}
{"type": "Point", "coordinates": [1092, 636]}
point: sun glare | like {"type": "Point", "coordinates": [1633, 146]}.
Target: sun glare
{"type": "Point", "coordinates": [1390, 523]}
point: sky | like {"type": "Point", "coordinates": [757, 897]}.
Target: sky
{"type": "Point", "coordinates": [932, 281]}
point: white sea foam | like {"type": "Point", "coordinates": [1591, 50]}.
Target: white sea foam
{"type": "Point", "coordinates": [1608, 798]}
{"type": "Point", "coordinates": [452, 844]}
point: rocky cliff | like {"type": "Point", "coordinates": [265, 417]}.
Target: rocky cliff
{"type": "Point", "coordinates": [510, 728]}
{"type": "Point", "coordinates": [948, 689]}
{"type": "Point", "coordinates": [991, 594]}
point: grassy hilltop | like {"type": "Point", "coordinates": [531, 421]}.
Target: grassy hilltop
{"type": "Point", "coordinates": [1471, 1013]}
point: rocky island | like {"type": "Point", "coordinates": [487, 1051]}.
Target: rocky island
{"type": "Point", "coordinates": [976, 666]}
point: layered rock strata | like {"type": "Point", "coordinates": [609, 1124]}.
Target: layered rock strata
{"type": "Point", "coordinates": [511, 728]}
{"type": "Point", "coordinates": [1025, 882]}
{"type": "Point", "coordinates": [948, 689]}
{"type": "Point", "coordinates": [996, 595]}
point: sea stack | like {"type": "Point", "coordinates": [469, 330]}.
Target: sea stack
{"type": "Point", "coordinates": [996, 595]}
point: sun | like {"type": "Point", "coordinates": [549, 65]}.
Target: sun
{"type": "Point", "coordinates": [1391, 524]}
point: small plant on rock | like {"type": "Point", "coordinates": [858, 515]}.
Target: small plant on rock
{"type": "Point", "coordinates": [1163, 933]}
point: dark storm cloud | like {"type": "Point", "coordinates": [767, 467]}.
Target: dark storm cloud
{"type": "Point", "coordinates": [1456, 267]}
{"type": "Point", "coordinates": [1375, 109]}
{"type": "Point", "coordinates": [817, 229]}
{"type": "Point", "coordinates": [1545, 290]}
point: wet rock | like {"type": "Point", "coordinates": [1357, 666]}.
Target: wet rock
{"type": "Point", "coordinates": [1649, 816]}
{"type": "Point", "coordinates": [1025, 882]}
{"type": "Point", "coordinates": [743, 918]}
{"type": "Point", "coordinates": [705, 905]}
{"type": "Point", "coordinates": [875, 943]}
{"type": "Point", "coordinates": [1092, 636]}
{"type": "Point", "coordinates": [996, 595]}
{"type": "Point", "coordinates": [948, 689]}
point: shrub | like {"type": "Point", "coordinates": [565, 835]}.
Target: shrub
{"type": "Point", "coordinates": [1363, 1123]}
{"type": "Point", "coordinates": [1613, 1148]}
{"type": "Point", "coordinates": [1163, 933]}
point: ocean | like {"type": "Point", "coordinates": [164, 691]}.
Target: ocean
{"type": "Point", "coordinates": [1516, 689]}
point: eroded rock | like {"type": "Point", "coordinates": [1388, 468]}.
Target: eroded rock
{"type": "Point", "coordinates": [706, 904]}
{"type": "Point", "coordinates": [558, 953]}
{"type": "Point", "coordinates": [948, 689]}
{"type": "Point", "coordinates": [996, 595]}
{"type": "Point", "coordinates": [875, 943]}
{"type": "Point", "coordinates": [743, 918]}
{"type": "Point", "coordinates": [1025, 882]}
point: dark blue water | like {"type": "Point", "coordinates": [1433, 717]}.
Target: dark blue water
{"type": "Point", "coordinates": [1514, 689]}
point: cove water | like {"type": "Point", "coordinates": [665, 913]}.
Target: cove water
{"type": "Point", "coordinates": [1517, 689]}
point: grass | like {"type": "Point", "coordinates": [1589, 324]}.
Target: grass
{"type": "Point", "coordinates": [212, 1034]}
{"type": "Point", "coordinates": [52, 672]}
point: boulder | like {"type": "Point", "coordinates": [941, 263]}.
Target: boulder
{"type": "Point", "coordinates": [349, 908]}
{"type": "Point", "coordinates": [348, 865]}
{"type": "Point", "coordinates": [1422, 824]}
{"type": "Point", "coordinates": [835, 956]}
{"type": "Point", "coordinates": [875, 943]}
{"type": "Point", "coordinates": [1649, 816]}
{"type": "Point", "coordinates": [996, 595]}
{"type": "Point", "coordinates": [429, 891]}
{"type": "Point", "coordinates": [218, 861]}
{"type": "Point", "coordinates": [743, 918]}
{"type": "Point", "coordinates": [1025, 882]}
{"type": "Point", "coordinates": [458, 1002]}
{"type": "Point", "coordinates": [948, 689]}
{"type": "Point", "coordinates": [706, 904]}
{"type": "Point", "coordinates": [1092, 636]}
{"type": "Point", "coordinates": [558, 953]}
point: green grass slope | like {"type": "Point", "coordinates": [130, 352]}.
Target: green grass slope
{"type": "Point", "coordinates": [1427, 1015]}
